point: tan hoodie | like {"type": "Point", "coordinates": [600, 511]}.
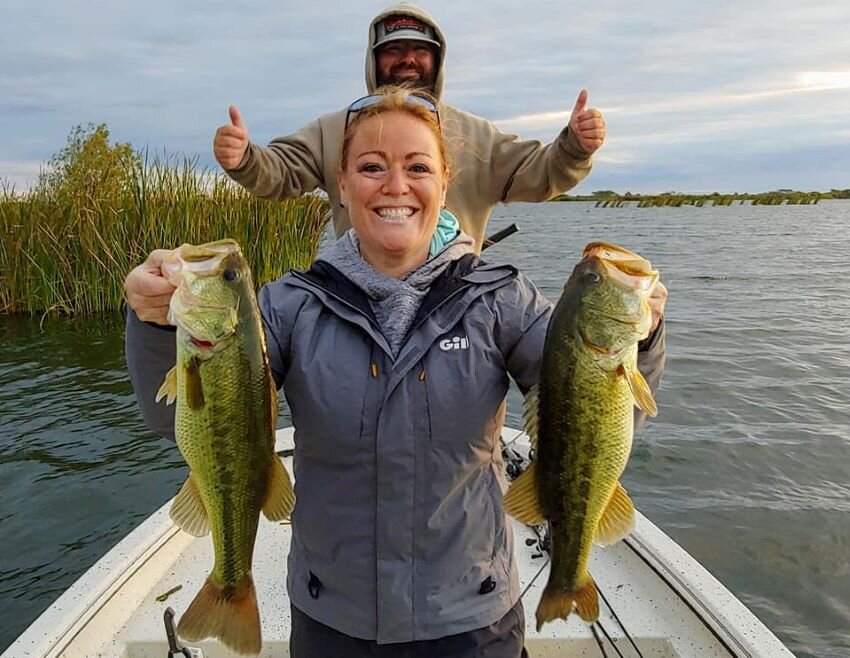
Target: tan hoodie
{"type": "Point", "coordinates": [488, 165]}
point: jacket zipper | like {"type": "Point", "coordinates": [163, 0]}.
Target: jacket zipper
{"type": "Point", "coordinates": [342, 300]}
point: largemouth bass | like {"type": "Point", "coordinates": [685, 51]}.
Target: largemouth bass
{"type": "Point", "coordinates": [225, 428]}
{"type": "Point", "coordinates": [580, 419]}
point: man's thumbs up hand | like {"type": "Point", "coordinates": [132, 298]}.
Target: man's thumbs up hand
{"type": "Point", "coordinates": [231, 141]}
{"type": "Point", "coordinates": [587, 124]}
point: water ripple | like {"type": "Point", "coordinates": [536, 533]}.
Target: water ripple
{"type": "Point", "coordinates": [745, 465]}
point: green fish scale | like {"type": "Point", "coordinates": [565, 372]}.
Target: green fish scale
{"type": "Point", "coordinates": [228, 445]}
{"type": "Point", "coordinates": [584, 440]}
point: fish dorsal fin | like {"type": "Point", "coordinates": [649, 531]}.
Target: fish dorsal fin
{"type": "Point", "coordinates": [640, 390]}
{"type": "Point", "coordinates": [188, 510]}
{"type": "Point", "coordinates": [618, 518]}
{"type": "Point", "coordinates": [280, 496]}
{"type": "Point", "coordinates": [521, 499]}
{"type": "Point", "coordinates": [168, 390]}
{"type": "Point", "coordinates": [530, 414]}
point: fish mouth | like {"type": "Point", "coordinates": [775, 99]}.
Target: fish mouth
{"type": "Point", "coordinates": [623, 259]}
{"type": "Point", "coordinates": [624, 266]}
{"type": "Point", "coordinates": [198, 260]}
{"type": "Point", "coordinates": [210, 251]}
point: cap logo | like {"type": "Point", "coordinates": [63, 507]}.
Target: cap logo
{"type": "Point", "coordinates": [395, 23]}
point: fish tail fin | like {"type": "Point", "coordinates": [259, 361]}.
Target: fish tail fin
{"type": "Point", "coordinates": [557, 603]}
{"type": "Point", "coordinates": [228, 614]}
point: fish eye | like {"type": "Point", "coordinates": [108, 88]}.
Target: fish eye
{"type": "Point", "coordinates": [594, 277]}
{"type": "Point", "coordinates": [230, 274]}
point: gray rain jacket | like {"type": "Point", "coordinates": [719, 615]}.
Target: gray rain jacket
{"type": "Point", "coordinates": [398, 530]}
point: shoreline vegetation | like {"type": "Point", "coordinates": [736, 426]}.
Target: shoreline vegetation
{"type": "Point", "coordinates": [98, 209]}
{"type": "Point", "coordinates": [611, 199]}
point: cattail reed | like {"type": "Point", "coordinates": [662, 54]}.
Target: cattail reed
{"type": "Point", "coordinates": [97, 210]}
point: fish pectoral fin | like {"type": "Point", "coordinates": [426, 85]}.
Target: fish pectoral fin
{"type": "Point", "coordinates": [521, 499]}
{"type": "Point", "coordinates": [530, 415]}
{"type": "Point", "coordinates": [168, 390]}
{"type": "Point", "coordinates": [280, 497]}
{"type": "Point", "coordinates": [640, 390]}
{"type": "Point", "coordinates": [618, 518]}
{"type": "Point", "coordinates": [188, 510]}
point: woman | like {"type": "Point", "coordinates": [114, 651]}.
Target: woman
{"type": "Point", "coordinates": [394, 352]}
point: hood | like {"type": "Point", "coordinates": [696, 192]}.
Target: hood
{"type": "Point", "coordinates": [405, 9]}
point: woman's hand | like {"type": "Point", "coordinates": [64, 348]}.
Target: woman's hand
{"type": "Point", "coordinates": [657, 302]}
{"type": "Point", "coordinates": [147, 291]}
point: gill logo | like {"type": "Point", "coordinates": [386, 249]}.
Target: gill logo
{"type": "Point", "coordinates": [456, 343]}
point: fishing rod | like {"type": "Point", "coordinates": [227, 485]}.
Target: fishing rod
{"type": "Point", "coordinates": [498, 236]}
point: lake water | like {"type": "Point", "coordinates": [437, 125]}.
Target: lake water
{"type": "Point", "coordinates": [746, 465]}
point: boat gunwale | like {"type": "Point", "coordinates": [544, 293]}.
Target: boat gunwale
{"type": "Point", "coordinates": [87, 598]}
{"type": "Point", "coordinates": [675, 567]}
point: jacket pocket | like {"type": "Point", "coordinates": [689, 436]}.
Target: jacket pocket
{"type": "Point", "coordinates": [326, 396]}
{"type": "Point", "coordinates": [466, 382]}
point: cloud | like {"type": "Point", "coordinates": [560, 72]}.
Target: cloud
{"type": "Point", "coordinates": [20, 175]}
{"type": "Point", "coordinates": [800, 83]}
{"type": "Point", "coordinates": [672, 76]}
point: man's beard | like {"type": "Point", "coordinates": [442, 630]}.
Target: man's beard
{"type": "Point", "coordinates": [424, 81]}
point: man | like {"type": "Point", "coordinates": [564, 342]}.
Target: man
{"type": "Point", "coordinates": [406, 46]}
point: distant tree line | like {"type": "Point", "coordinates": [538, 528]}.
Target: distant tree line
{"type": "Point", "coordinates": [612, 199]}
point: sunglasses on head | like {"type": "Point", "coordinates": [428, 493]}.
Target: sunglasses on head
{"type": "Point", "coordinates": [374, 99]}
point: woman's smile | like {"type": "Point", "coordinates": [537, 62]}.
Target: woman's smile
{"type": "Point", "coordinates": [395, 214]}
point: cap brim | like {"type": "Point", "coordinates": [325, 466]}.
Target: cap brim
{"type": "Point", "coordinates": [387, 40]}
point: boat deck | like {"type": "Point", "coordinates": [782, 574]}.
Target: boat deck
{"type": "Point", "coordinates": [667, 606]}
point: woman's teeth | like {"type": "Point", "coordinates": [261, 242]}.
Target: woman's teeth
{"type": "Point", "coordinates": [395, 214]}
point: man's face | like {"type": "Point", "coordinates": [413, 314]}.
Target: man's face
{"type": "Point", "coordinates": [406, 61]}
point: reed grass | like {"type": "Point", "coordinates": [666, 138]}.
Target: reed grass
{"type": "Point", "coordinates": [98, 209]}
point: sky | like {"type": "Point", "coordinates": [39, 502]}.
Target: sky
{"type": "Point", "coordinates": [697, 96]}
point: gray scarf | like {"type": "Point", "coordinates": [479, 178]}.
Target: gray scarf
{"type": "Point", "coordinates": [394, 301]}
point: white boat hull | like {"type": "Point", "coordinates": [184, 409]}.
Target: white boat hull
{"type": "Point", "coordinates": [669, 606]}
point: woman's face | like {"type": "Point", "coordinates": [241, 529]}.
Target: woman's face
{"type": "Point", "coordinates": [394, 186]}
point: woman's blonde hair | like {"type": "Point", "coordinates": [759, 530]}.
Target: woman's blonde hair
{"type": "Point", "coordinates": [397, 99]}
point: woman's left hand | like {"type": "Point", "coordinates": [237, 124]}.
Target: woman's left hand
{"type": "Point", "coordinates": [657, 302]}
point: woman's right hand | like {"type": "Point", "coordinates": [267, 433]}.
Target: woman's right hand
{"type": "Point", "coordinates": [147, 291]}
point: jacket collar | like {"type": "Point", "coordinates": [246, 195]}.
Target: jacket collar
{"type": "Point", "coordinates": [346, 299]}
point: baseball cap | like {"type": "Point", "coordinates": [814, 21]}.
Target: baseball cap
{"type": "Point", "coordinates": [395, 28]}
